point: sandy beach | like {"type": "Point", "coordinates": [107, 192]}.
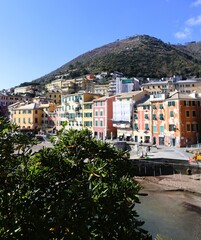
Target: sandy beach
{"type": "Point", "coordinates": [176, 182]}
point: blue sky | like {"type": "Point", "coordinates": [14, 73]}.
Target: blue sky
{"type": "Point", "coordinates": [38, 36]}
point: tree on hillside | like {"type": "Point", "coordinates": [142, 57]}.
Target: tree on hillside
{"type": "Point", "coordinates": [79, 189]}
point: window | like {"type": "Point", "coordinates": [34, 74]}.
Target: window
{"type": "Point", "coordinates": [188, 127]}
{"type": "Point", "coordinates": [187, 114]}
{"type": "Point", "coordinates": [36, 120]}
{"type": "Point", "coordinates": [96, 113]}
{"type": "Point", "coordinates": [161, 117]}
{"type": "Point", "coordinates": [171, 127]}
{"type": "Point", "coordinates": [101, 123]}
{"type": "Point", "coordinates": [24, 120]}
{"type": "Point", "coordinates": [194, 113]}
{"type": "Point", "coordinates": [135, 116]}
{"type": "Point", "coordinates": [36, 111]}
{"type": "Point", "coordinates": [146, 116]}
{"type": "Point", "coordinates": [161, 106]}
{"type": "Point", "coordinates": [161, 129]}
{"type": "Point", "coordinates": [87, 114]}
{"type": "Point", "coordinates": [135, 126]}
{"type": "Point", "coordinates": [146, 126]}
{"type": "Point", "coordinates": [171, 114]}
{"type": "Point", "coordinates": [29, 111]}
{"type": "Point", "coordinates": [194, 127]}
{"type": "Point", "coordinates": [18, 120]}
{"type": "Point", "coordinates": [187, 103]}
{"type": "Point", "coordinates": [172, 103]}
{"type": "Point", "coordinates": [101, 113]}
{"type": "Point", "coordinates": [145, 107]}
{"type": "Point", "coordinates": [96, 123]}
{"type": "Point", "coordinates": [87, 124]}
{"type": "Point", "coordinates": [154, 129]}
{"type": "Point", "coordinates": [154, 106]}
{"type": "Point", "coordinates": [193, 103]}
{"type": "Point", "coordinates": [24, 112]}
{"type": "Point", "coordinates": [154, 116]}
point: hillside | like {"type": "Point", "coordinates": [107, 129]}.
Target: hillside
{"type": "Point", "coordinates": [138, 56]}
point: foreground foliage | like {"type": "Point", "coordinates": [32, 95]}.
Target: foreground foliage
{"type": "Point", "coordinates": [79, 189]}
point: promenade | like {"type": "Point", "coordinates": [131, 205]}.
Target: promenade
{"type": "Point", "coordinates": [161, 152]}
{"type": "Point", "coordinates": [173, 182]}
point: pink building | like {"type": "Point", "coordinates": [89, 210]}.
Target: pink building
{"type": "Point", "coordinates": [102, 118]}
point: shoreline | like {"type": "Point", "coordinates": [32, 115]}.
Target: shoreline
{"type": "Point", "coordinates": [176, 182]}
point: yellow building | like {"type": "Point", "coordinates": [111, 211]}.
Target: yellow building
{"type": "Point", "coordinates": [88, 115]}
{"type": "Point", "coordinates": [188, 86]}
{"type": "Point", "coordinates": [33, 116]}
{"type": "Point", "coordinates": [157, 87]}
{"type": "Point", "coordinates": [54, 97]}
{"type": "Point", "coordinates": [69, 85]}
{"type": "Point", "coordinates": [56, 84]}
{"type": "Point", "coordinates": [101, 89]}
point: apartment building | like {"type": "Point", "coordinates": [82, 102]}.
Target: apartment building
{"type": "Point", "coordinates": [168, 119]}
{"type": "Point", "coordinates": [33, 116]}
{"type": "Point", "coordinates": [102, 118]}
{"type": "Point", "coordinates": [25, 89]}
{"type": "Point", "coordinates": [188, 86]}
{"type": "Point", "coordinates": [157, 87]}
{"type": "Point", "coordinates": [123, 112]}
{"type": "Point", "coordinates": [101, 89]}
{"type": "Point", "coordinates": [53, 96]}
{"type": "Point", "coordinates": [121, 85]}
{"type": "Point", "coordinates": [71, 109]}
{"type": "Point", "coordinates": [141, 123]}
{"type": "Point", "coordinates": [6, 100]}
{"type": "Point", "coordinates": [87, 111]}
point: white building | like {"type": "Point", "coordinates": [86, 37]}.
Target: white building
{"type": "Point", "coordinates": [123, 85]}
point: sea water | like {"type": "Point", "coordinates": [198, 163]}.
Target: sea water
{"type": "Point", "coordinates": [172, 214]}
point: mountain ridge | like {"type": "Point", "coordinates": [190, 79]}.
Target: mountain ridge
{"type": "Point", "coordinates": [137, 56]}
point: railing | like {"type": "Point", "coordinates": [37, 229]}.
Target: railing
{"type": "Point", "coordinates": [198, 145]}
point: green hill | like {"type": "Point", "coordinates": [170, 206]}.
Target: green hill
{"type": "Point", "coordinates": [138, 56]}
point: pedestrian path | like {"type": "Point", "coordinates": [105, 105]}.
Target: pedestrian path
{"type": "Point", "coordinates": [161, 152]}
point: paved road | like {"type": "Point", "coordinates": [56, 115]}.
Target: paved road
{"type": "Point", "coordinates": [39, 146]}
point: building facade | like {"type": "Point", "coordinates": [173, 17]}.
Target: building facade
{"type": "Point", "coordinates": [102, 118]}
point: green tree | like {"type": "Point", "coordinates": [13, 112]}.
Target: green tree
{"type": "Point", "coordinates": [79, 189]}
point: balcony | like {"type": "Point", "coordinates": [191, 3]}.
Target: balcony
{"type": "Point", "coordinates": [120, 121]}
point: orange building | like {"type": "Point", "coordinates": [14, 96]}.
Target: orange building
{"type": "Point", "coordinates": [176, 119]}
{"type": "Point", "coordinates": [33, 116]}
{"type": "Point", "coordinates": [168, 119]}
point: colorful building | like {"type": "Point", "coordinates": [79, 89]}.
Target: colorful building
{"type": "Point", "coordinates": [171, 120]}
{"type": "Point", "coordinates": [71, 109]}
{"type": "Point", "coordinates": [33, 116]}
{"type": "Point", "coordinates": [102, 118]}
{"type": "Point", "coordinates": [123, 112]}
